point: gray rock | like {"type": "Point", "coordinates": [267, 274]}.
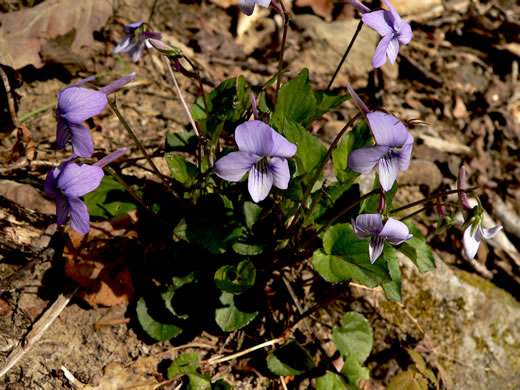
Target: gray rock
{"type": "Point", "coordinates": [472, 324]}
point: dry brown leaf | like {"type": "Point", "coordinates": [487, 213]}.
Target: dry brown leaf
{"type": "Point", "coordinates": [322, 8]}
{"type": "Point", "coordinates": [25, 32]}
{"type": "Point", "coordinates": [26, 196]}
{"type": "Point", "coordinates": [98, 261]}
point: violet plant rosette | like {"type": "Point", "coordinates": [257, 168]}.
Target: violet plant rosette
{"type": "Point", "coordinates": [76, 105]}
{"type": "Point", "coordinates": [134, 40]}
{"type": "Point", "coordinates": [371, 226]}
{"type": "Point", "coordinates": [393, 30]}
{"type": "Point", "coordinates": [263, 153]}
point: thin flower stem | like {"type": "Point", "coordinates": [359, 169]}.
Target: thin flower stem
{"type": "Point", "coordinates": [339, 214]}
{"type": "Point", "coordinates": [432, 197]}
{"type": "Point", "coordinates": [24, 117]}
{"type": "Point", "coordinates": [177, 88]}
{"type": "Point", "coordinates": [285, 20]}
{"type": "Point", "coordinates": [358, 30]}
{"type": "Point", "coordinates": [134, 195]}
{"type": "Point", "coordinates": [143, 151]}
{"type": "Point", "coordinates": [320, 169]}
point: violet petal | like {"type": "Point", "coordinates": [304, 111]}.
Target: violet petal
{"type": "Point", "coordinates": [364, 159]}
{"type": "Point", "coordinates": [388, 170]}
{"type": "Point", "coordinates": [233, 166]}
{"type": "Point", "coordinates": [380, 52]}
{"type": "Point", "coordinates": [281, 173]}
{"type": "Point", "coordinates": [259, 183]}
{"type": "Point", "coordinates": [82, 144]}
{"type": "Point", "coordinates": [255, 137]}
{"type": "Point", "coordinates": [387, 129]}
{"type": "Point", "coordinates": [119, 83]}
{"type": "Point", "coordinates": [79, 218]}
{"type": "Point", "coordinates": [62, 209]}
{"type": "Point", "coordinates": [79, 104]}
{"type": "Point", "coordinates": [378, 22]}
{"type": "Point", "coordinates": [395, 232]}
{"type": "Point", "coordinates": [471, 242]}
{"type": "Point", "coordinates": [490, 233]}
{"type": "Point", "coordinates": [375, 248]}
{"type": "Point", "coordinates": [79, 179]}
{"type": "Point", "coordinates": [247, 6]}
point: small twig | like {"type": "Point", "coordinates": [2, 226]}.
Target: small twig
{"type": "Point", "coordinates": [219, 359]}
{"type": "Point", "coordinates": [349, 47]}
{"type": "Point", "coordinates": [37, 331]}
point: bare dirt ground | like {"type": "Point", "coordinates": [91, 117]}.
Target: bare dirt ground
{"type": "Point", "coordinates": [459, 75]}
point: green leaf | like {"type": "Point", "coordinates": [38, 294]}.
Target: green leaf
{"type": "Point", "coordinates": [325, 102]}
{"type": "Point", "coordinates": [345, 257]}
{"type": "Point", "coordinates": [360, 136]}
{"type": "Point", "coordinates": [408, 380]}
{"type": "Point", "coordinates": [251, 213]}
{"type": "Point", "coordinates": [229, 318]}
{"type": "Point", "coordinates": [153, 328]}
{"type": "Point", "coordinates": [109, 200]}
{"type": "Point", "coordinates": [186, 365]}
{"type": "Point", "coordinates": [182, 171]}
{"type": "Point", "coordinates": [290, 359]}
{"type": "Point", "coordinates": [183, 141]}
{"type": "Point", "coordinates": [330, 381]}
{"type": "Point", "coordinates": [247, 249]}
{"type": "Point", "coordinates": [353, 371]}
{"type": "Point", "coordinates": [310, 151]}
{"type": "Point", "coordinates": [211, 225]}
{"type": "Point", "coordinates": [354, 337]}
{"type": "Point", "coordinates": [417, 250]}
{"type": "Point", "coordinates": [296, 101]}
{"type": "Point", "coordinates": [335, 269]}
{"type": "Point", "coordinates": [236, 280]}
{"type": "Point", "coordinates": [393, 289]}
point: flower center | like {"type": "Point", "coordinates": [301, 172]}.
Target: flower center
{"type": "Point", "coordinates": [263, 164]}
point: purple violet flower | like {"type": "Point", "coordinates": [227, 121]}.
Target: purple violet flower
{"type": "Point", "coordinates": [393, 30]}
{"type": "Point", "coordinates": [263, 153]}
{"type": "Point", "coordinates": [75, 105]}
{"type": "Point", "coordinates": [392, 151]}
{"type": "Point", "coordinates": [461, 185]}
{"type": "Point", "coordinates": [134, 41]}
{"type": "Point", "coordinates": [248, 6]}
{"type": "Point", "coordinates": [474, 233]}
{"type": "Point", "coordinates": [371, 225]}
{"type": "Point", "coordinates": [66, 184]}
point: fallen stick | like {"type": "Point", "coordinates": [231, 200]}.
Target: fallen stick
{"type": "Point", "coordinates": [36, 332]}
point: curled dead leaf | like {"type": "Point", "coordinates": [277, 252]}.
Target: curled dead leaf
{"type": "Point", "coordinates": [99, 261]}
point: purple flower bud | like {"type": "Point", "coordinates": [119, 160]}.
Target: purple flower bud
{"type": "Point", "coordinates": [263, 153]}
{"type": "Point", "coordinates": [461, 185]}
{"type": "Point", "coordinates": [393, 31]}
{"type": "Point", "coordinates": [371, 225]}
